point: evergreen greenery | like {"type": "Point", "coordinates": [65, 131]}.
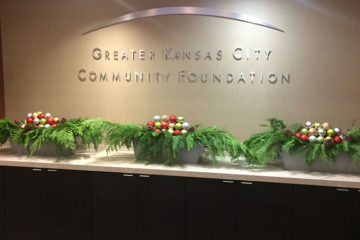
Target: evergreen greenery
{"type": "Point", "coordinates": [6, 127]}
{"type": "Point", "coordinates": [154, 145]}
{"type": "Point", "coordinates": [65, 134]}
{"type": "Point", "coordinates": [267, 146]}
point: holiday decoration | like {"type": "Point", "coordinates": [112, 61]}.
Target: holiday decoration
{"type": "Point", "coordinates": [157, 124]}
{"type": "Point", "coordinates": [314, 133]}
{"type": "Point", "coordinates": [42, 134]}
{"type": "Point", "coordinates": [157, 118]}
{"type": "Point", "coordinates": [326, 125]}
{"type": "Point", "coordinates": [173, 140]}
{"type": "Point", "coordinates": [39, 120]}
{"type": "Point", "coordinates": [312, 139]}
{"type": "Point", "coordinates": [315, 140]}
{"type": "Point", "coordinates": [165, 118]}
{"type": "Point", "coordinates": [173, 125]}
{"type": "Point", "coordinates": [172, 119]}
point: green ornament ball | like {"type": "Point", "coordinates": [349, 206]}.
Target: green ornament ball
{"type": "Point", "coordinates": [304, 131]}
{"type": "Point", "coordinates": [331, 132]}
{"type": "Point", "coordinates": [178, 126]}
{"type": "Point", "coordinates": [157, 124]}
{"type": "Point", "coordinates": [43, 121]}
{"type": "Point", "coordinates": [180, 119]}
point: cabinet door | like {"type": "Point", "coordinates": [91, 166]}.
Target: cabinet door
{"type": "Point", "coordinates": [355, 213]}
{"type": "Point", "coordinates": [320, 213]}
{"type": "Point", "coordinates": [68, 205]}
{"type": "Point", "coordinates": [113, 206]}
{"type": "Point", "coordinates": [264, 211]}
{"type": "Point", "coordinates": [25, 199]}
{"type": "Point", "coordinates": [161, 208]}
{"type": "Point", "coordinates": [2, 206]}
{"type": "Point", "coordinates": [211, 209]}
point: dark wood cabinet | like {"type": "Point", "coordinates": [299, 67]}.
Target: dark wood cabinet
{"type": "Point", "coordinates": [264, 211]}
{"type": "Point", "coordinates": [2, 206]}
{"type": "Point", "coordinates": [211, 209]}
{"type": "Point", "coordinates": [113, 206]}
{"type": "Point", "coordinates": [25, 201]}
{"type": "Point", "coordinates": [161, 208]}
{"type": "Point", "coordinates": [321, 213]}
{"type": "Point", "coordinates": [355, 214]}
{"type": "Point", "coordinates": [47, 204]}
{"type": "Point", "coordinates": [68, 205]}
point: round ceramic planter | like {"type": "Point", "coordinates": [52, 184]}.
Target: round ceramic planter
{"type": "Point", "coordinates": [184, 157]}
{"type": "Point", "coordinates": [343, 164]}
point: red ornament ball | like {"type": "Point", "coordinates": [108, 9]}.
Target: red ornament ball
{"type": "Point", "coordinates": [177, 132]}
{"type": "Point", "coordinates": [172, 119]}
{"type": "Point", "coordinates": [304, 137]}
{"type": "Point", "coordinates": [50, 121]}
{"type": "Point", "coordinates": [36, 126]}
{"type": "Point", "coordinates": [164, 125]}
{"type": "Point", "coordinates": [298, 135]}
{"type": "Point", "coordinates": [151, 124]}
{"type": "Point", "coordinates": [337, 139]}
{"type": "Point", "coordinates": [157, 130]}
{"type": "Point", "coordinates": [54, 125]}
{"type": "Point", "coordinates": [41, 116]}
{"type": "Point", "coordinates": [30, 120]}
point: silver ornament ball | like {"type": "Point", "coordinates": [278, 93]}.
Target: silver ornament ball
{"type": "Point", "coordinates": [308, 124]}
{"type": "Point", "coordinates": [321, 131]}
{"type": "Point", "coordinates": [312, 139]}
{"type": "Point", "coordinates": [157, 118]}
{"type": "Point", "coordinates": [337, 131]}
{"type": "Point", "coordinates": [185, 125]}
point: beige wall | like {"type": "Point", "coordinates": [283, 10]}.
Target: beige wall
{"type": "Point", "coordinates": [43, 50]}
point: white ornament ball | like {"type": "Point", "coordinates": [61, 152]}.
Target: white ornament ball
{"type": "Point", "coordinates": [35, 115]}
{"type": "Point", "coordinates": [185, 125]}
{"type": "Point", "coordinates": [171, 131]}
{"type": "Point", "coordinates": [48, 115]}
{"type": "Point", "coordinates": [22, 125]}
{"type": "Point", "coordinates": [47, 125]}
{"type": "Point", "coordinates": [163, 130]}
{"type": "Point", "coordinates": [312, 139]}
{"type": "Point", "coordinates": [171, 125]}
{"type": "Point", "coordinates": [337, 130]}
{"type": "Point", "coordinates": [157, 118]}
{"type": "Point", "coordinates": [342, 137]}
{"type": "Point", "coordinates": [183, 131]}
{"type": "Point", "coordinates": [321, 131]}
{"type": "Point", "coordinates": [29, 115]}
{"type": "Point", "coordinates": [36, 120]}
{"type": "Point", "coordinates": [41, 125]}
{"type": "Point", "coordinates": [308, 124]}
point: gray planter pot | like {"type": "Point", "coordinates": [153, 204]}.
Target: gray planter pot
{"type": "Point", "coordinates": [343, 164]}
{"type": "Point", "coordinates": [184, 156]}
{"type": "Point", "coordinates": [45, 150]}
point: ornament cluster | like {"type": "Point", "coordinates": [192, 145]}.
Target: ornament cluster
{"type": "Point", "coordinates": [322, 133]}
{"type": "Point", "coordinates": [39, 120]}
{"type": "Point", "coordinates": [174, 125]}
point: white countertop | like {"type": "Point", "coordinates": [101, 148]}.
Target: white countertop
{"type": "Point", "coordinates": [124, 162]}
